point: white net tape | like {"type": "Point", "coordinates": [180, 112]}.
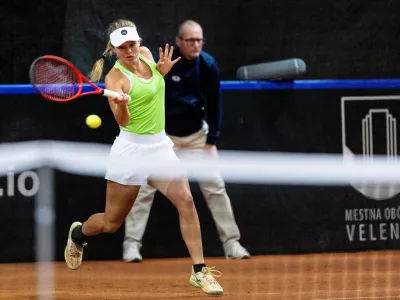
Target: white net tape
{"type": "Point", "coordinates": [235, 166]}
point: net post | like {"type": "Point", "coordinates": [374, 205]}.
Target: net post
{"type": "Point", "coordinates": [44, 217]}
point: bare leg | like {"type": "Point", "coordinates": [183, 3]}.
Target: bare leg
{"type": "Point", "coordinates": [119, 201]}
{"type": "Point", "coordinates": [178, 192]}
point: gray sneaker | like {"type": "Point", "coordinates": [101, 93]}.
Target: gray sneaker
{"type": "Point", "coordinates": [233, 250]}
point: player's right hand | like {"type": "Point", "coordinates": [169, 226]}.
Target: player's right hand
{"type": "Point", "coordinates": [122, 100]}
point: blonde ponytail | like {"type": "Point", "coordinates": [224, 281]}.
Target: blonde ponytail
{"type": "Point", "coordinates": [97, 70]}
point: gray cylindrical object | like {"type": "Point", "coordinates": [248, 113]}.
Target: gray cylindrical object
{"type": "Point", "coordinates": [277, 70]}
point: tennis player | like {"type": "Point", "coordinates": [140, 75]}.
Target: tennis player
{"type": "Point", "coordinates": [142, 136]}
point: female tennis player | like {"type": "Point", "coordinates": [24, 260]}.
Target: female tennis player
{"type": "Point", "coordinates": [142, 136]}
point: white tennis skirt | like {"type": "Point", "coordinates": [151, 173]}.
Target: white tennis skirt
{"type": "Point", "coordinates": [131, 156]}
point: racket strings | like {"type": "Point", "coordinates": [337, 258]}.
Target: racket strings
{"type": "Point", "coordinates": [55, 79]}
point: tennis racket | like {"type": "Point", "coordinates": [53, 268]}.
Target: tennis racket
{"type": "Point", "coordinates": [57, 79]}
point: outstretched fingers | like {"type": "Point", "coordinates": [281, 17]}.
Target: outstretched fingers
{"type": "Point", "coordinates": [160, 53]}
{"type": "Point", "coordinates": [176, 60]}
{"type": "Point", "coordinates": [166, 51]}
{"type": "Point", "coordinates": [171, 50]}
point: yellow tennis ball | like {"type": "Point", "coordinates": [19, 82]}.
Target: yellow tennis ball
{"type": "Point", "coordinates": [93, 121]}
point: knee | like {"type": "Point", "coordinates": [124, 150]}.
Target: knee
{"type": "Point", "coordinates": [111, 227]}
{"type": "Point", "coordinates": [185, 203]}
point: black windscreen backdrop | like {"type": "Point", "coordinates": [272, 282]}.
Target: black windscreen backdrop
{"type": "Point", "coordinates": [336, 39]}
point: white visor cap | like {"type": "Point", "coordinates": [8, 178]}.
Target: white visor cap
{"type": "Point", "coordinates": [124, 34]}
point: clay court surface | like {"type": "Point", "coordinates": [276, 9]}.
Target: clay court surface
{"type": "Point", "coordinates": [339, 276]}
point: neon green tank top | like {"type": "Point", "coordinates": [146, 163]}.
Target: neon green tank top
{"type": "Point", "coordinates": [147, 107]}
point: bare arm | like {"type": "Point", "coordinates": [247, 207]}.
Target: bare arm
{"type": "Point", "coordinates": [146, 53]}
{"type": "Point", "coordinates": [116, 82]}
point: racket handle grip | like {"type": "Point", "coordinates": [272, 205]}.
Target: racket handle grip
{"type": "Point", "coordinates": [109, 93]}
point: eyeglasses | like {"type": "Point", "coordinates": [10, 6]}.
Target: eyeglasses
{"type": "Point", "coordinates": [191, 42]}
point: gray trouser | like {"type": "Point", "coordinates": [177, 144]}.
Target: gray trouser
{"type": "Point", "coordinates": [213, 191]}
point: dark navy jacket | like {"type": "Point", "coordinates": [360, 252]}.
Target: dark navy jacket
{"type": "Point", "coordinates": [192, 94]}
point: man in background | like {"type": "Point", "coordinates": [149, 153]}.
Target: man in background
{"type": "Point", "coordinates": [192, 94]}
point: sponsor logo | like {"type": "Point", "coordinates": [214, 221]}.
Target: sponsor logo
{"type": "Point", "coordinates": [176, 78]}
{"type": "Point", "coordinates": [369, 131]}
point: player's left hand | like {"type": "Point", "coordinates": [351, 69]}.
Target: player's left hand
{"type": "Point", "coordinates": [165, 64]}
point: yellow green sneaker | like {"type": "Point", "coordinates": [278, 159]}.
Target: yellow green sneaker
{"type": "Point", "coordinates": [206, 280]}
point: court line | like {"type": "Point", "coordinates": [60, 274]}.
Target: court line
{"type": "Point", "coordinates": [349, 298]}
